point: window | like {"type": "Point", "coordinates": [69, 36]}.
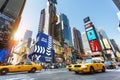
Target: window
{"type": "Point", "coordinates": [28, 63]}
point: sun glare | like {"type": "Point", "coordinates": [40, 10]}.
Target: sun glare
{"type": "Point", "coordinates": [18, 35]}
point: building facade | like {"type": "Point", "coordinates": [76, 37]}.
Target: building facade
{"type": "Point", "coordinates": [10, 16]}
{"type": "Point", "coordinates": [114, 44]}
{"type": "Point", "coordinates": [85, 43]}
{"type": "Point", "coordinates": [50, 18]}
{"type": "Point", "coordinates": [106, 45]}
{"type": "Point", "coordinates": [117, 3]}
{"type": "Point", "coordinates": [42, 21]}
{"type": "Point", "coordinates": [66, 29]}
{"type": "Point", "coordinates": [27, 35]}
{"type": "Point", "coordinates": [107, 50]}
{"type": "Point", "coordinates": [78, 45]}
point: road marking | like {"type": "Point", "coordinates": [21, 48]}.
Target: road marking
{"type": "Point", "coordinates": [52, 72]}
{"type": "Point", "coordinates": [115, 70]}
{"type": "Point", "coordinates": [20, 79]}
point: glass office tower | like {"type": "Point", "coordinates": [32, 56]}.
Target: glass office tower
{"type": "Point", "coordinates": [66, 29]}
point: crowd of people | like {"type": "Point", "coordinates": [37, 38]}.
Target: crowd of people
{"type": "Point", "coordinates": [47, 66]}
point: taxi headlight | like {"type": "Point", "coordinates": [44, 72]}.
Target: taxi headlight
{"type": "Point", "coordinates": [84, 66]}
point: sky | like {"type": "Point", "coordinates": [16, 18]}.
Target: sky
{"type": "Point", "coordinates": [103, 14]}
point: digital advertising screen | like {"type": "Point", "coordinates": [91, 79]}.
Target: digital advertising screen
{"type": "Point", "coordinates": [91, 35]}
{"type": "Point", "coordinates": [5, 30]}
{"type": "Point", "coordinates": [106, 43]}
{"type": "Point", "coordinates": [95, 46]}
{"type": "Point", "coordinates": [88, 25]}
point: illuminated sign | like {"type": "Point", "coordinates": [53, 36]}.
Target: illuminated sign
{"type": "Point", "coordinates": [5, 30]}
{"type": "Point", "coordinates": [95, 46]}
{"type": "Point", "coordinates": [87, 19]}
{"type": "Point", "coordinates": [43, 50]}
{"type": "Point", "coordinates": [91, 35]}
{"type": "Point", "coordinates": [3, 55]}
{"type": "Point", "coordinates": [107, 45]}
{"type": "Point", "coordinates": [88, 25]}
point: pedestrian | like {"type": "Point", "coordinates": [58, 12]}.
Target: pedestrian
{"type": "Point", "coordinates": [45, 67]}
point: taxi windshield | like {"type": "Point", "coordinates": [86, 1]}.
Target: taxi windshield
{"type": "Point", "coordinates": [87, 61]}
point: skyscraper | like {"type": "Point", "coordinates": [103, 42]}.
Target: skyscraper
{"type": "Point", "coordinates": [114, 44]}
{"type": "Point", "coordinates": [42, 21]}
{"type": "Point", "coordinates": [85, 43]}
{"type": "Point", "coordinates": [12, 8]}
{"type": "Point", "coordinates": [118, 14]}
{"type": "Point", "coordinates": [66, 29]}
{"type": "Point", "coordinates": [117, 3]}
{"type": "Point", "coordinates": [106, 44]}
{"type": "Point", "coordinates": [10, 16]}
{"type": "Point", "coordinates": [58, 31]}
{"type": "Point", "coordinates": [78, 41]}
{"type": "Point", "coordinates": [27, 35]}
{"type": "Point", "coordinates": [50, 18]}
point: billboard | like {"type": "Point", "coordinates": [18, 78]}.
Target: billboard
{"type": "Point", "coordinates": [5, 30]}
{"type": "Point", "coordinates": [43, 49]}
{"type": "Point", "coordinates": [3, 55]}
{"type": "Point", "coordinates": [87, 19]}
{"type": "Point", "coordinates": [94, 45]}
{"type": "Point", "coordinates": [106, 43]}
{"type": "Point", "coordinates": [88, 25]}
{"type": "Point", "coordinates": [91, 35]}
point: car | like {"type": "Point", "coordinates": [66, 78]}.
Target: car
{"type": "Point", "coordinates": [70, 67]}
{"type": "Point", "coordinates": [89, 65]}
{"type": "Point", "coordinates": [110, 65]}
{"type": "Point", "coordinates": [31, 67]}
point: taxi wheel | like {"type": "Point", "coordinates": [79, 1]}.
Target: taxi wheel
{"type": "Point", "coordinates": [69, 69]}
{"type": "Point", "coordinates": [103, 69]}
{"type": "Point", "coordinates": [33, 70]}
{"type": "Point", "coordinates": [3, 71]}
{"type": "Point", "coordinates": [76, 72]}
{"type": "Point", "coordinates": [92, 70]}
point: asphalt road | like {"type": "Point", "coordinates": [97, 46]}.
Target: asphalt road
{"type": "Point", "coordinates": [62, 74]}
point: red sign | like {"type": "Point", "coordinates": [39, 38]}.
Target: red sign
{"type": "Point", "coordinates": [95, 46]}
{"type": "Point", "coordinates": [88, 25]}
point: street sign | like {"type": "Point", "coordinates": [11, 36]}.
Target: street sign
{"type": "Point", "coordinates": [43, 50]}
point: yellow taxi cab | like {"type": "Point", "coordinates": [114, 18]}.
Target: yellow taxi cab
{"type": "Point", "coordinates": [70, 67]}
{"type": "Point", "coordinates": [89, 65]}
{"type": "Point", "coordinates": [31, 67]}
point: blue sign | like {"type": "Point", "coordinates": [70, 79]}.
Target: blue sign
{"type": "Point", "coordinates": [3, 55]}
{"type": "Point", "coordinates": [91, 35]}
{"type": "Point", "coordinates": [43, 51]}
